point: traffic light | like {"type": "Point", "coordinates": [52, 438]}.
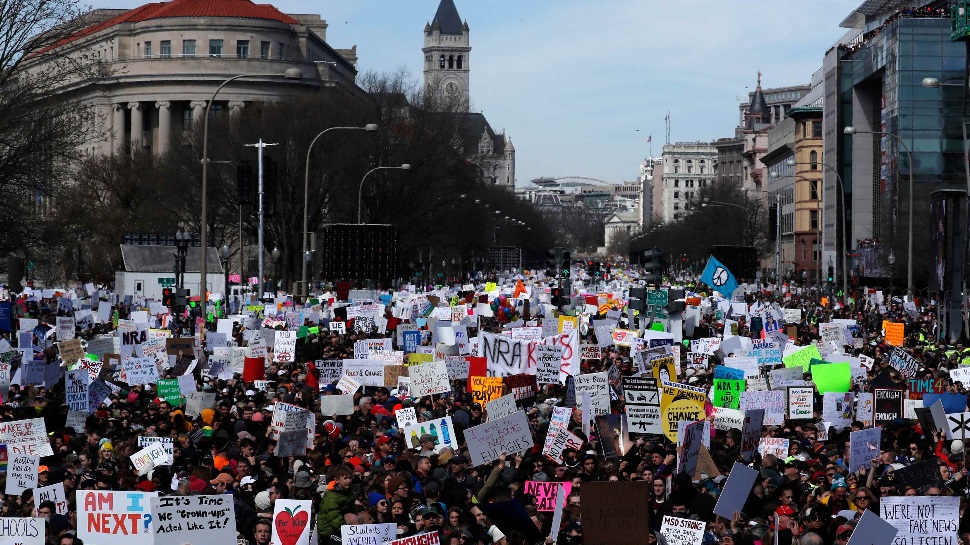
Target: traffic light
{"type": "Point", "coordinates": [653, 265]}
{"type": "Point", "coordinates": [551, 264]}
{"type": "Point", "coordinates": [167, 298]}
{"type": "Point", "coordinates": [245, 183]}
{"type": "Point", "coordinates": [182, 297]}
{"type": "Point", "coordinates": [565, 263]}
{"type": "Point", "coordinates": [557, 298]}
{"type": "Point", "coordinates": [831, 277]}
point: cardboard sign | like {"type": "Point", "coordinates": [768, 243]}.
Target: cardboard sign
{"type": "Point", "coordinates": [506, 435]}
{"type": "Point", "coordinates": [116, 518]}
{"type": "Point", "coordinates": [291, 522]}
{"type": "Point", "coordinates": [604, 504]}
{"type": "Point", "coordinates": [177, 520]}
{"type": "Point", "coordinates": [21, 473]}
{"type": "Point", "coordinates": [545, 493]}
{"type": "Point", "coordinates": [26, 437]}
{"type": "Point", "coordinates": [53, 493]}
{"type": "Point", "coordinates": [367, 534]}
{"type": "Point", "coordinates": [681, 531]}
{"type": "Point", "coordinates": [23, 531]}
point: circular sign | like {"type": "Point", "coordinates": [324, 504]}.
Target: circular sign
{"type": "Point", "coordinates": [688, 410]}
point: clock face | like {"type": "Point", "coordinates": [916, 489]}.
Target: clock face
{"type": "Point", "coordinates": [451, 89]}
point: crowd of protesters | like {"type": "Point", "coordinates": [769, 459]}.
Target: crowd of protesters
{"type": "Point", "coordinates": [361, 470]}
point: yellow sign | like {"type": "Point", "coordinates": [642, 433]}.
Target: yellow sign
{"type": "Point", "coordinates": [485, 389]}
{"type": "Point", "coordinates": [664, 369]}
{"type": "Point", "coordinates": [690, 410]}
{"type": "Point", "coordinates": [414, 359]}
{"type": "Point", "coordinates": [490, 287]}
{"type": "Point", "coordinates": [568, 323]}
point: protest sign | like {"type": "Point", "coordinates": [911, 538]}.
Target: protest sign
{"type": "Point", "coordinates": [680, 402]}
{"type": "Point", "coordinates": [957, 426]}
{"type": "Point", "coordinates": [367, 534]}
{"type": "Point", "coordinates": [887, 405]}
{"type": "Point", "coordinates": [726, 419]}
{"type": "Point", "coordinates": [170, 391]}
{"type": "Point", "coordinates": [832, 377]}
{"type": "Point", "coordinates": [838, 409]}
{"type": "Point", "coordinates": [545, 493]}
{"type": "Point", "coordinates": [690, 447]}
{"type": "Point", "coordinates": [642, 405]}
{"type": "Point", "coordinates": [76, 420]}
{"type": "Point", "coordinates": [903, 362]}
{"type": "Point", "coordinates": [70, 351]}
{"type": "Point", "coordinates": [293, 434]}
{"type": "Point", "coordinates": [284, 346]}
{"type": "Point", "coordinates": [442, 430]}
{"type": "Point", "coordinates": [116, 518]}
{"type": "Point", "coordinates": [26, 437]}
{"type": "Point", "coordinates": [427, 538]}
{"type": "Point", "coordinates": [766, 352]}
{"type": "Point", "coordinates": [366, 372]}
{"type": "Point", "coordinates": [405, 417]}
{"type": "Point", "coordinates": [506, 435]}
{"type": "Point", "coordinates": [457, 367]}
{"type": "Point", "coordinates": [21, 473]}
{"type": "Point", "coordinates": [801, 402]}
{"type": "Point", "coordinates": [177, 520]}
{"type": "Point", "coordinates": [863, 447]}
{"type": "Point", "coordinates": [920, 474]}
{"type": "Point", "coordinates": [140, 371]}
{"type": "Point", "coordinates": [429, 378]}
{"type": "Point", "coordinates": [76, 390]}
{"type": "Point", "coordinates": [548, 360]}
{"type": "Point", "coordinates": [922, 519]}
{"type": "Point", "coordinates": [148, 458]}
{"type": "Point", "coordinates": [775, 446]}
{"type": "Point", "coordinates": [736, 490]}
{"type": "Point", "coordinates": [749, 365]}
{"type": "Point", "coordinates": [53, 493]}
{"type": "Point", "coordinates": [598, 387]}
{"type": "Point", "coordinates": [803, 357]}
{"type": "Point", "coordinates": [500, 407]}
{"type": "Point", "coordinates": [504, 355]}
{"type": "Point", "coordinates": [872, 530]}
{"type": "Point", "coordinates": [485, 389]}
{"type": "Point", "coordinates": [772, 401]}
{"type": "Point", "coordinates": [682, 531]}
{"type": "Point", "coordinates": [291, 522]}
{"type": "Point", "coordinates": [603, 504]}
{"type": "Point", "coordinates": [961, 374]}
{"type": "Point", "coordinates": [337, 405]}
{"type": "Point", "coordinates": [196, 401]}
{"type": "Point", "coordinates": [348, 385]}
{"type": "Point", "coordinates": [727, 393]}
{"type": "Point", "coordinates": [895, 333]}
{"type": "Point", "coordinates": [167, 443]}
{"type": "Point", "coordinates": [23, 531]}
{"type": "Point", "coordinates": [559, 438]}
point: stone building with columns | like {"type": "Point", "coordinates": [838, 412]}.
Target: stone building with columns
{"type": "Point", "coordinates": [154, 67]}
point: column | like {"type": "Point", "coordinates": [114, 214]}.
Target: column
{"type": "Point", "coordinates": [118, 127]}
{"type": "Point", "coordinates": [137, 125]}
{"type": "Point", "coordinates": [235, 107]}
{"type": "Point", "coordinates": [164, 126]}
{"type": "Point", "coordinates": [198, 111]}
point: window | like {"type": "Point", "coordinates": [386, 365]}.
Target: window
{"type": "Point", "coordinates": [817, 129]}
{"type": "Point", "coordinates": [702, 183]}
{"type": "Point", "coordinates": [148, 50]}
{"type": "Point", "coordinates": [215, 48]}
{"type": "Point", "coordinates": [813, 219]}
{"type": "Point", "coordinates": [813, 190]}
{"type": "Point", "coordinates": [676, 194]}
{"type": "Point", "coordinates": [451, 62]}
{"type": "Point", "coordinates": [187, 119]}
{"type": "Point", "coordinates": [279, 53]}
{"type": "Point", "coordinates": [676, 183]}
{"type": "Point", "coordinates": [441, 62]}
{"type": "Point", "coordinates": [165, 48]}
{"type": "Point", "coordinates": [188, 48]}
{"type": "Point", "coordinates": [813, 160]}
{"type": "Point", "coordinates": [460, 61]}
{"type": "Point", "coordinates": [242, 49]}
{"type": "Point", "coordinates": [676, 206]}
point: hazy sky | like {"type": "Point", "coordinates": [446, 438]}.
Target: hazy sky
{"type": "Point", "coordinates": [572, 81]}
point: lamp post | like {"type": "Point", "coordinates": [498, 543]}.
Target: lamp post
{"type": "Point", "coordinates": [275, 254]}
{"type": "Point", "coordinates": [291, 73]}
{"type": "Point", "coordinates": [360, 192]}
{"type": "Point", "coordinates": [182, 239]}
{"type": "Point", "coordinates": [370, 127]}
{"type": "Point", "coordinates": [225, 252]}
{"type": "Point", "coordinates": [909, 259]}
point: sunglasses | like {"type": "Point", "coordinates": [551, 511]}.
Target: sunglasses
{"type": "Point", "coordinates": [862, 498]}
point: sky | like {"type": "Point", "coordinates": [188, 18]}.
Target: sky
{"type": "Point", "coordinates": [579, 85]}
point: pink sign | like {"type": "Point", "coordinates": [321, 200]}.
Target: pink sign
{"type": "Point", "coordinates": [545, 493]}
{"type": "Point", "coordinates": [234, 278]}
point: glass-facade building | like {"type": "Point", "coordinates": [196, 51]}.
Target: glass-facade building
{"type": "Point", "coordinates": [873, 82]}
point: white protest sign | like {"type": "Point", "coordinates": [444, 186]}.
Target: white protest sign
{"type": "Point", "coordinates": [736, 490]}
{"type": "Point", "coordinates": [148, 458]}
{"type": "Point", "coordinates": [53, 493]}
{"type": "Point", "coordinates": [801, 402]}
{"type": "Point", "coordinates": [505, 435]}
{"type": "Point", "coordinates": [863, 447]}
{"type": "Point", "coordinates": [115, 518]}
{"type": "Point", "coordinates": [405, 417]}
{"type": "Point", "coordinates": [598, 387]}
{"type": "Point", "coordinates": [776, 446]}
{"type": "Point", "coordinates": [548, 360]}
{"type": "Point", "coordinates": [21, 473]}
{"type": "Point", "coordinates": [429, 378]}
{"type": "Point", "coordinates": [65, 328]}
{"type": "Point", "coordinates": [337, 405]}
{"type": "Point", "coordinates": [22, 531]}
{"type": "Point", "coordinates": [26, 437]}
{"type": "Point", "coordinates": [177, 520]}
{"type": "Point", "coordinates": [348, 385]}
{"type": "Point", "coordinates": [922, 519]}
{"type": "Point", "coordinates": [682, 531]}
{"type": "Point", "coordinates": [140, 371]}
{"type": "Point", "coordinates": [500, 407]}
{"type": "Point", "coordinates": [291, 522]}
{"type": "Point", "coordinates": [76, 390]}
{"type": "Point", "coordinates": [367, 534]}
{"type": "Point", "coordinates": [284, 346]}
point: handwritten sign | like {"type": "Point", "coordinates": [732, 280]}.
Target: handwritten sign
{"type": "Point", "coordinates": [21, 473]}
{"type": "Point", "coordinates": [291, 522]}
{"type": "Point", "coordinates": [23, 531]}
{"type": "Point", "coordinates": [76, 390]}
{"type": "Point", "coordinates": [863, 447]}
{"type": "Point", "coordinates": [485, 389]}
{"type": "Point", "coordinates": [895, 333]}
{"type": "Point", "coordinates": [284, 346]}
{"type": "Point", "coordinates": [545, 493]}
{"type": "Point", "coordinates": [922, 519]}
{"type": "Point", "coordinates": [53, 493]}
{"type": "Point", "coordinates": [26, 437]}
{"type": "Point", "coordinates": [801, 402]}
{"type": "Point", "coordinates": [367, 534]}
{"type": "Point", "coordinates": [429, 378]}
{"type": "Point", "coordinates": [681, 531]}
{"type": "Point", "coordinates": [506, 435]}
{"type": "Point", "coordinates": [115, 518]}
{"type": "Point", "coordinates": [177, 520]}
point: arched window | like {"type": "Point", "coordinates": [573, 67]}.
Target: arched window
{"type": "Point", "coordinates": [451, 62]}
{"type": "Point", "coordinates": [441, 62]}
{"type": "Point", "coordinates": [460, 61]}
{"type": "Point", "coordinates": [813, 159]}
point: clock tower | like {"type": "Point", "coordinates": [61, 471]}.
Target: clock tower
{"type": "Point", "coordinates": [446, 56]}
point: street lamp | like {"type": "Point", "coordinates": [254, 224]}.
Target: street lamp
{"type": "Point", "coordinates": [275, 254]}
{"type": "Point", "coordinates": [370, 127]}
{"type": "Point", "coordinates": [360, 192]}
{"type": "Point", "coordinates": [909, 260]}
{"type": "Point", "coordinates": [182, 239]}
{"type": "Point", "coordinates": [225, 252]}
{"type": "Point", "coordinates": [291, 73]}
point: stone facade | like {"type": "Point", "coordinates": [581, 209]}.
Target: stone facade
{"type": "Point", "coordinates": [687, 168]}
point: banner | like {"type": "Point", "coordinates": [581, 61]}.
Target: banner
{"type": "Point", "coordinates": [504, 356]}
